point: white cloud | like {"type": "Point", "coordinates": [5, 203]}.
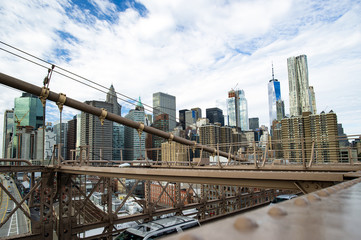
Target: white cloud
{"type": "Point", "coordinates": [195, 50]}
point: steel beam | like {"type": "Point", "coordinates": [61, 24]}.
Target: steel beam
{"type": "Point", "coordinates": [259, 179]}
{"type": "Point", "coordinates": [14, 168]}
{"type": "Point", "coordinates": [286, 167]}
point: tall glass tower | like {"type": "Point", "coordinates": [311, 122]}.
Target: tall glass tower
{"type": "Point", "coordinates": [28, 111]}
{"type": "Point", "coordinates": [165, 103]}
{"type": "Point", "coordinates": [274, 99]}
{"type": "Point", "coordinates": [133, 143]}
{"type": "Point", "coordinates": [237, 109]}
{"type": "Point", "coordinates": [299, 92]}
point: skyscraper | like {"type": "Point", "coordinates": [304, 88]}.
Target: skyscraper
{"type": "Point", "coordinates": [275, 102]}
{"type": "Point", "coordinates": [299, 92]}
{"type": "Point", "coordinates": [60, 131]}
{"type": "Point", "coordinates": [95, 135]}
{"type": "Point", "coordinates": [118, 141]}
{"type": "Point", "coordinates": [28, 111]}
{"type": "Point", "coordinates": [190, 117]}
{"type": "Point", "coordinates": [165, 103]}
{"type": "Point", "coordinates": [8, 130]}
{"type": "Point", "coordinates": [280, 106]}
{"type": "Point", "coordinates": [302, 134]}
{"type": "Point", "coordinates": [313, 100]}
{"type": "Point", "coordinates": [118, 130]}
{"type": "Point", "coordinates": [182, 117]}
{"type": "Point", "coordinates": [253, 123]}
{"type": "Point", "coordinates": [215, 115]}
{"type": "Point", "coordinates": [209, 135]}
{"type": "Point", "coordinates": [133, 143]}
{"type": "Point", "coordinates": [71, 136]}
{"type": "Point", "coordinates": [237, 109]}
{"type": "Point", "coordinates": [50, 141]}
{"type": "Point", "coordinates": [198, 112]}
{"type": "Point", "coordinates": [112, 98]}
{"type": "Point", "coordinates": [162, 123]}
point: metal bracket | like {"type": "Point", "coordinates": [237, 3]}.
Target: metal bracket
{"type": "Point", "coordinates": [61, 101]}
{"type": "Point", "coordinates": [311, 186]}
{"type": "Point", "coordinates": [44, 95]}
{"type": "Point", "coordinates": [102, 116]}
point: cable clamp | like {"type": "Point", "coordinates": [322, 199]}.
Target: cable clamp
{"type": "Point", "coordinates": [140, 129]}
{"type": "Point", "coordinates": [61, 101]}
{"type": "Point", "coordinates": [194, 146]}
{"type": "Point", "coordinates": [102, 116]}
{"type": "Point", "coordinates": [44, 95]}
{"type": "Point", "coordinates": [214, 153]}
{"type": "Point", "coordinates": [171, 136]}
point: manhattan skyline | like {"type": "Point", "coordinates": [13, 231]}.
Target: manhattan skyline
{"type": "Point", "coordinates": [196, 52]}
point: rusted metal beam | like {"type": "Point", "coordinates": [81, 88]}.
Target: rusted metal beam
{"type": "Point", "coordinates": [55, 97]}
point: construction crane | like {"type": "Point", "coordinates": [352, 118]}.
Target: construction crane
{"type": "Point", "coordinates": [17, 121]}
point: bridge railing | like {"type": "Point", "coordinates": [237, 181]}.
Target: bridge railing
{"type": "Point", "coordinates": [306, 152]}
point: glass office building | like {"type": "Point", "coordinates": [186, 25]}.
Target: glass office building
{"type": "Point", "coordinates": [274, 95]}
{"type": "Point", "coordinates": [237, 110]}
{"type": "Point", "coordinates": [215, 115]}
{"type": "Point", "coordinates": [118, 141]}
{"type": "Point", "coordinates": [28, 111]}
{"type": "Point", "coordinates": [165, 103]}
{"type": "Point", "coordinates": [133, 143]}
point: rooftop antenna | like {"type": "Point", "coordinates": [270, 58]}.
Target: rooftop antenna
{"type": "Point", "coordinates": [273, 76]}
{"type": "Point", "coordinates": [235, 86]}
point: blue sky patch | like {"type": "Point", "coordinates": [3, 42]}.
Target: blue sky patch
{"type": "Point", "coordinates": [112, 14]}
{"type": "Point", "coordinates": [67, 37]}
{"type": "Point", "coordinates": [62, 54]}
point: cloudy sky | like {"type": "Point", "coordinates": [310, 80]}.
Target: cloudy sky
{"type": "Point", "coordinates": [195, 50]}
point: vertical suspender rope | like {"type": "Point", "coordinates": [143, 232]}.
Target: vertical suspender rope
{"type": "Point", "coordinates": [43, 96]}
{"type": "Point", "coordinates": [60, 103]}
{"type": "Point", "coordinates": [102, 117]}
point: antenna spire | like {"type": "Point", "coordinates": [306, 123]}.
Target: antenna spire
{"type": "Point", "coordinates": [273, 76]}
